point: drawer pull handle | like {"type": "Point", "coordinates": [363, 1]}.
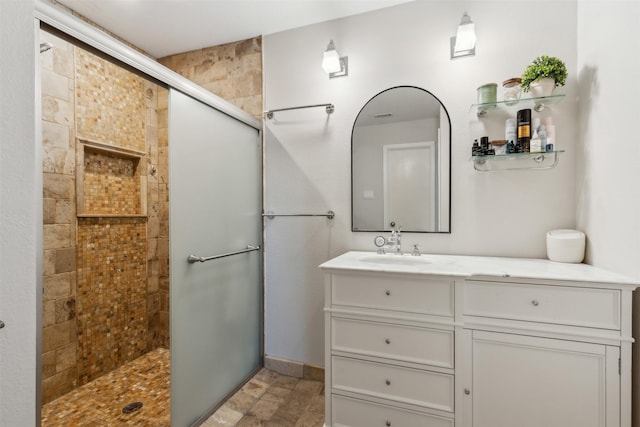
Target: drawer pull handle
{"type": "Point", "coordinates": [535, 302]}
{"type": "Point", "coordinates": [467, 391]}
{"type": "Point", "coordinates": [387, 340]}
{"type": "Point", "coordinates": [387, 382]}
{"type": "Point", "coordinates": [388, 423]}
{"type": "Point", "coordinates": [388, 292]}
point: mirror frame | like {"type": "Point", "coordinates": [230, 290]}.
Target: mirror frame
{"type": "Point", "coordinates": [352, 162]}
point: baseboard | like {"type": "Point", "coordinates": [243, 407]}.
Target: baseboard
{"type": "Point", "coordinates": [294, 369]}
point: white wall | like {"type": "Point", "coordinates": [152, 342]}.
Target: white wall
{"type": "Point", "coordinates": [20, 216]}
{"type": "Point", "coordinates": [307, 153]}
{"type": "Point", "coordinates": [608, 204]}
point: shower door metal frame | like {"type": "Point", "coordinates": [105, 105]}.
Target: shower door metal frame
{"type": "Point", "coordinates": [76, 29]}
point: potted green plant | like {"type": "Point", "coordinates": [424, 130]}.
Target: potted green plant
{"type": "Point", "coordinates": [543, 75]}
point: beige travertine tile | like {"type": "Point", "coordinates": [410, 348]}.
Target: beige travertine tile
{"type": "Point", "coordinates": [58, 285]}
{"type": "Point", "coordinates": [65, 357]}
{"type": "Point", "coordinates": [59, 384]}
{"type": "Point", "coordinates": [255, 388]}
{"type": "Point", "coordinates": [56, 236]}
{"type": "Point", "coordinates": [62, 58]}
{"type": "Point", "coordinates": [48, 364]}
{"type": "Point", "coordinates": [65, 260]}
{"type": "Point", "coordinates": [65, 212]}
{"type": "Point", "coordinates": [223, 417]}
{"type": "Point", "coordinates": [277, 394]}
{"type": "Point", "coordinates": [58, 160]}
{"type": "Point", "coordinates": [241, 402]}
{"type": "Point", "coordinates": [48, 264]}
{"type": "Point", "coordinates": [263, 409]}
{"type": "Point", "coordinates": [311, 372]}
{"type": "Point", "coordinates": [308, 387]}
{"type": "Point", "coordinates": [56, 85]}
{"type": "Point", "coordinates": [48, 313]}
{"type": "Point", "coordinates": [284, 367]}
{"type": "Point", "coordinates": [310, 419]}
{"type": "Point", "coordinates": [251, 421]}
{"type": "Point", "coordinates": [65, 309]}
{"type": "Point", "coordinates": [56, 135]}
{"type": "Point", "coordinates": [49, 211]}
{"type": "Point", "coordinates": [58, 335]}
{"type": "Point", "coordinates": [57, 110]}
{"type": "Point", "coordinates": [317, 403]}
{"type": "Point", "coordinates": [58, 186]}
{"type": "Point", "coordinates": [285, 381]}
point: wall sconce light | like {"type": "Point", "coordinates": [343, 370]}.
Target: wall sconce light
{"type": "Point", "coordinates": [333, 64]}
{"type": "Point", "coordinates": [464, 42]}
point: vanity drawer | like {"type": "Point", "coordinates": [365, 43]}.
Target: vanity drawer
{"type": "Point", "coordinates": [413, 386]}
{"type": "Point", "coordinates": [347, 412]}
{"type": "Point", "coordinates": [597, 308]}
{"type": "Point", "coordinates": [407, 294]}
{"type": "Point", "coordinates": [399, 342]}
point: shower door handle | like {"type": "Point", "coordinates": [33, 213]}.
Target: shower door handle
{"type": "Point", "coordinates": [193, 259]}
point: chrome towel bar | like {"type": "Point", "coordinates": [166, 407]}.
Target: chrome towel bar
{"type": "Point", "coordinates": [330, 108]}
{"type": "Point", "coordinates": [192, 258]}
{"type": "Point", "coordinates": [271, 215]}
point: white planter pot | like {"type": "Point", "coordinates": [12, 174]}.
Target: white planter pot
{"type": "Point", "coordinates": [542, 87]}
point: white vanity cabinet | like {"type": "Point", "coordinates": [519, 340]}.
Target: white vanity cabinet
{"type": "Point", "coordinates": [389, 350]}
{"type": "Point", "coordinates": [544, 353]}
{"type": "Point", "coordinates": [475, 342]}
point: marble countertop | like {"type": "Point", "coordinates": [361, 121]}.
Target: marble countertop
{"type": "Point", "coordinates": [475, 266]}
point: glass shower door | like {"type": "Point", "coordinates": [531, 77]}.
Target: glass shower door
{"type": "Point", "coordinates": [215, 209]}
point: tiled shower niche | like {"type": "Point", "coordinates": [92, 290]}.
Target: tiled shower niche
{"type": "Point", "coordinates": [109, 181]}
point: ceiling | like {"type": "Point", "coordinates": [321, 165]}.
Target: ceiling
{"type": "Point", "coordinates": [165, 27]}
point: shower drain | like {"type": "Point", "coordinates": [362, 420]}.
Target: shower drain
{"type": "Point", "coordinates": [132, 407]}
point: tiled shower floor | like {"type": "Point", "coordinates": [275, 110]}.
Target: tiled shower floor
{"type": "Point", "coordinates": [268, 399]}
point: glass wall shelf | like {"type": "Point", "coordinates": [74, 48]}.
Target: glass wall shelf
{"type": "Point", "coordinates": [516, 161]}
{"type": "Point", "coordinates": [537, 104]}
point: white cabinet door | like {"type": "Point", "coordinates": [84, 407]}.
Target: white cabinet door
{"type": "Point", "coordinates": [524, 381]}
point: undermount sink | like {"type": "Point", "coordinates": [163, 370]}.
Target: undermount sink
{"type": "Point", "coordinates": [395, 259]}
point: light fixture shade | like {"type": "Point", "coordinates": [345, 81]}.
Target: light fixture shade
{"type": "Point", "coordinates": [465, 37]}
{"type": "Point", "coordinates": [464, 43]}
{"type": "Point", "coordinates": [331, 59]}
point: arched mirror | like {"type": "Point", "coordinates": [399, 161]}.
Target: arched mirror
{"type": "Point", "coordinates": [401, 163]}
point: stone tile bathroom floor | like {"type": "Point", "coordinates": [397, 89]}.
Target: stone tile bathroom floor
{"type": "Point", "coordinates": [268, 399]}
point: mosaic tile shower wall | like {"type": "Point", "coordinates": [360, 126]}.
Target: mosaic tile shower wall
{"type": "Point", "coordinates": [75, 347]}
{"type": "Point", "coordinates": [111, 294]}
{"type": "Point", "coordinates": [109, 107]}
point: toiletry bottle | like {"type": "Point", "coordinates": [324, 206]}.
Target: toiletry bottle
{"type": "Point", "coordinates": [535, 144]}
{"type": "Point", "coordinates": [484, 145]}
{"type": "Point", "coordinates": [551, 135]}
{"type": "Point", "coordinates": [510, 130]}
{"type": "Point", "coordinates": [475, 149]}
{"type": "Point", "coordinates": [542, 133]}
{"type": "Point", "coordinates": [524, 129]}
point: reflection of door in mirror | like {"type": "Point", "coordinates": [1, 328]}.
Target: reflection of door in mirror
{"type": "Point", "coordinates": [409, 177]}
